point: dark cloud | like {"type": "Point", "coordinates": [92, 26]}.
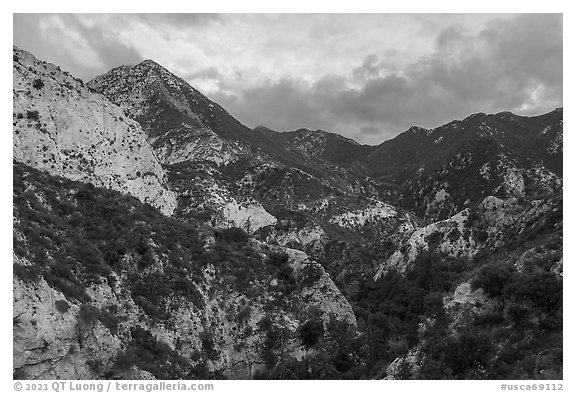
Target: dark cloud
{"type": "Point", "coordinates": [283, 105]}
{"type": "Point", "coordinates": [513, 64]}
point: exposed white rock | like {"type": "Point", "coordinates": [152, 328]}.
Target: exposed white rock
{"type": "Point", "coordinates": [514, 182]}
{"type": "Point", "coordinates": [323, 293]}
{"type": "Point", "coordinates": [248, 215]}
{"type": "Point", "coordinates": [440, 195]}
{"type": "Point", "coordinates": [485, 171]}
{"type": "Point", "coordinates": [359, 218]}
{"type": "Point", "coordinates": [304, 236]}
{"type": "Point", "coordinates": [200, 144]}
{"type": "Point", "coordinates": [418, 241]}
{"type": "Point", "coordinates": [463, 294]}
{"type": "Point", "coordinates": [53, 344]}
{"type": "Point", "coordinates": [556, 144]}
{"type": "Point", "coordinates": [63, 128]}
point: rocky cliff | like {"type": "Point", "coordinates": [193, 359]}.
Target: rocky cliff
{"type": "Point", "coordinates": [61, 126]}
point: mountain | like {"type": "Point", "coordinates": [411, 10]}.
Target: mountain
{"type": "Point", "coordinates": [320, 145]}
{"type": "Point", "coordinates": [280, 255]}
{"type": "Point", "coordinates": [248, 172]}
{"type": "Point", "coordinates": [444, 170]}
{"type": "Point", "coordinates": [62, 127]}
{"type": "Point", "coordinates": [105, 286]}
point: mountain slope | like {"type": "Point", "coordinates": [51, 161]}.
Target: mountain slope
{"type": "Point", "coordinates": [444, 170]}
{"type": "Point", "coordinates": [251, 174]}
{"type": "Point", "coordinates": [436, 255]}
{"type": "Point", "coordinates": [320, 145]}
{"type": "Point", "coordinates": [62, 127]}
{"type": "Point", "coordinates": [106, 287]}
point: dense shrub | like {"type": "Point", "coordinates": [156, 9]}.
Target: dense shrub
{"type": "Point", "coordinates": [494, 278]}
{"type": "Point", "coordinates": [232, 235]}
{"type": "Point", "coordinates": [29, 274]}
{"type": "Point", "coordinates": [38, 83]}
{"type": "Point", "coordinates": [543, 289]}
{"type": "Point", "coordinates": [156, 357]}
{"type": "Point", "coordinates": [284, 271]}
{"type": "Point", "coordinates": [32, 115]}
{"type": "Point", "coordinates": [310, 274]}
{"type": "Point", "coordinates": [244, 314]}
{"type": "Point", "coordinates": [311, 332]}
{"type": "Point", "coordinates": [62, 306]}
{"type": "Point", "coordinates": [434, 239]}
{"type": "Point", "coordinates": [80, 234]}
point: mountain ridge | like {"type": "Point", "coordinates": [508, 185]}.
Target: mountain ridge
{"type": "Point", "coordinates": [435, 255]}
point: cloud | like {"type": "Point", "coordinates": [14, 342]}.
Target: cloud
{"type": "Point", "coordinates": [286, 104]}
{"type": "Point", "coordinates": [178, 20]}
{"type": "Point", "coordinates": [366, 76]}
{"type": "Point", "coordinates": [91, 44]}
{"type": "Point", "coordinates": [67, 40]}
{"type": "Point", "coordinates": [512, 64]}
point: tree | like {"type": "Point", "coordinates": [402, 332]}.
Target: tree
{"type": "Point", "coordinates": [311, 332]}
{"type": "Point", "coordinates": [494, 278]}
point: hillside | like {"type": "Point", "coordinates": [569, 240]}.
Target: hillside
{"type": "Point", "coordinates": [60, 126]}
{"type": "Point", "coordinates": [157, 237]}
{"type": "Point", "coordinates": [108, 287]}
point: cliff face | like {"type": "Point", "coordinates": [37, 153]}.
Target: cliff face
{"type": "Point", "coordinates": [62, 127]}
{"type": "Point", "coordinates": [181, 124]}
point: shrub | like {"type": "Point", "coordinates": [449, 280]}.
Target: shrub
{"type": "Point", "coordinates": [109, 320]}
{"type": "Point", "coordinates": [32, 115]}
{"type": "Point", "coordinates": [88, 314]}
{"type": "Point", "coordinates": [62, 306]}
{"type": "Point", "coordinates": [543, 289]}
{"type": "Point", "coordinates": [482, 236]}
{"type": "Point", "coordinates": [494, 278]}
{"type": "Point", "coordinates": [207, 340]}
{"type": "Point", "coordinates": [278, 258]}
{"type": "Point", "coordinates": [284, 271]}
{"type": "Point", "coordinates": [434, 239]}
{"type": "Point", "coordinates": [28, 274]}
{"type": "Point", "coordinates": [244, 314]}
{"type": "Point", "coordinates": [311, 332]}
{"type": "Point", "coordinates": [310, 274]}
{"type": "Point", "coordinates": [232, 235]}
{"type": "Point", "coordinates": [156, 357]}
{"type": "Point", "coordinates": [454, 235]}
{"type": "Point", "coordinates": [38, 83]}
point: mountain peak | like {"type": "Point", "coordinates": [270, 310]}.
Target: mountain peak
{"type": "Point", "coordinates": [149, 64]}
{"type": "Point", "coordinates": [418, 130]}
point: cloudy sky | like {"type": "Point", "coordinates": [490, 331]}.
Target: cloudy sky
{"type": "Point", "coordinates": [366, 76]}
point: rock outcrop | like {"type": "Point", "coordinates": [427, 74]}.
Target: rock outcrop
{"type": "Point", "coordinates": [61, 126]}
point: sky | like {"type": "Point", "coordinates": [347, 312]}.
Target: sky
{"type": "Point", "coordinates": [366, 76]}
